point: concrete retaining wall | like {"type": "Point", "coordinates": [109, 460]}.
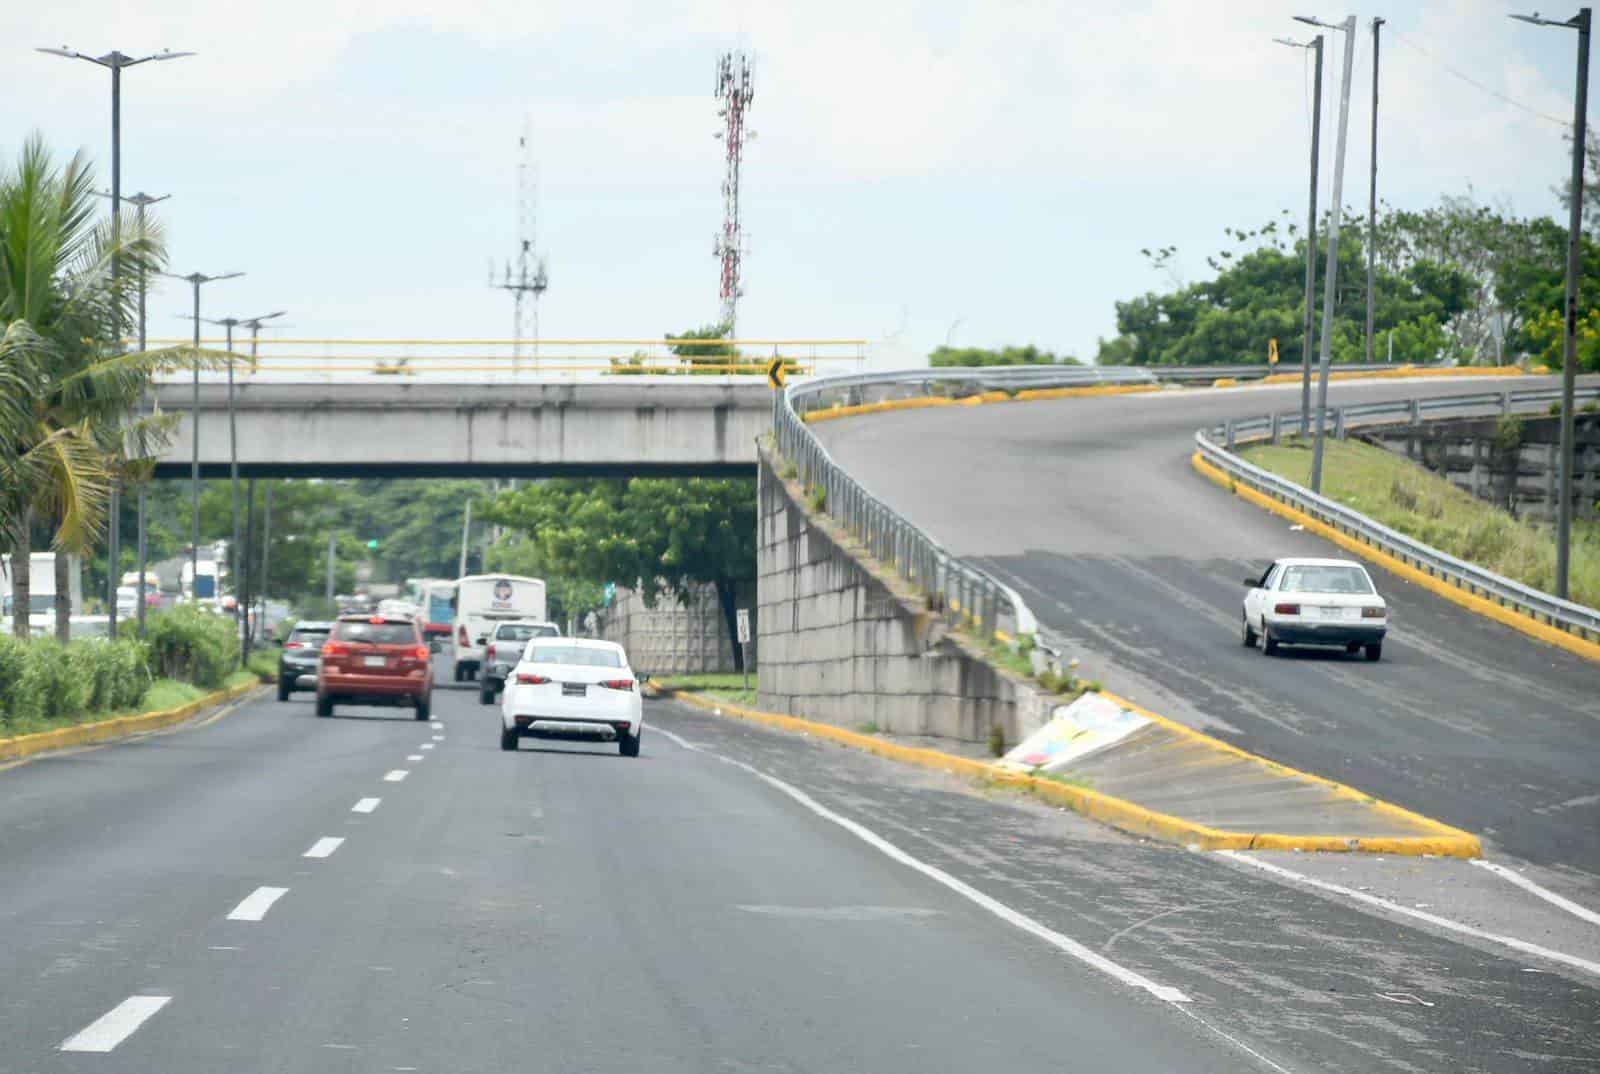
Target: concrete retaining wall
{"type": "Point", "coordinates": [1522, 480]}
{"type": "Point", "coordinates": [674, 637]}
{"type": "Point", "coordinates": [843, 641]}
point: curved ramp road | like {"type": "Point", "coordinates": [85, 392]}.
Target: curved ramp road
{"type": "Point", "coordinates": [253, 895]}
{"type": "Point", "coordinates": [1090, 509]}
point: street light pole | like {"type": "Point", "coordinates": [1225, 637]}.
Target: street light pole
{"type": "Point", "coordinates": [1331, 272]}
{"type": "Point", "coordinates": [1315, 46]}
{"type": "Point", "coordinates": [195, 279]}
{"type": "Point", "coordinates": [1372, 192]}
{"type": "Point", "coordinates": [1569, 345]}
{"type": "Point", "coordinates": [115, 61]}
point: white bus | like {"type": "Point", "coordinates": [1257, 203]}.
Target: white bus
{"type": "Point", "coordinates": [483, 600]}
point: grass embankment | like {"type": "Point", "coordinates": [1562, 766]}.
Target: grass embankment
{"type": "Point", "coordinates": [264, 664]}
{"type": "Point", "coordinates": [729, 686]}
{"type": "Point", "coordinates": [1407, 497]}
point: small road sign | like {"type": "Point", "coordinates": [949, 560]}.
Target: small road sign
{"type": "Point", "coordinates": [744, 626]}
{"type": "Point", "coordinates": [775, 373]}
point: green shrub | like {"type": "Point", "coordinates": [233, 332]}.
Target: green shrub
{"type": "Point", "coordinates": [264, 663]}
{"type": "Point", "coordinates": [13, 659]}
{"type": "Point", "coordinates": [997, 740]}
{"type": "Point", "coordinates": [52, 684]}
{"type": "Point", "coordinates": [193, 645]}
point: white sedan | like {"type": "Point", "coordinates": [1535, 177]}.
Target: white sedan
{"type": "Point", "coordinates": [573, 688]}
{"type": "Point", "coordinates": [1315, 602]}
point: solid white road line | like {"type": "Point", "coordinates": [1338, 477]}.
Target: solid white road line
{"type": "Point", "coordinates": [116, 1025]}
{"type": "Point", "coordinates": [1422, 915]}
{"type": "Point", "coordinates": [366, 805]}
{"type": "Point", "coordinates": [256, 904]}
{"type": "Point", "coordinates": [395, 776]}
{"type": "Point", "coordinates": [994, 906]}
{"type": "Point", "coordinates": [1544, 893]}
{"type": "Point", "coordinates": [324, 846]}
{"type": "Point", "coordinates": [413, 756]}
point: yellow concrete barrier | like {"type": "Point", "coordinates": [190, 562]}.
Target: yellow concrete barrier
{"type": "Point", "coordinates": [84, 734]}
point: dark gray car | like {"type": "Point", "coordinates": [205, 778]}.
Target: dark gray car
{"type": "Point", "coordinates": [302, 652]}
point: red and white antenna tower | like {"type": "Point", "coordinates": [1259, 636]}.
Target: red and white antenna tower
{"type": "Point", "coordinates": [735, 89]}
{"type": "Point", "coordinates": [529, 277]}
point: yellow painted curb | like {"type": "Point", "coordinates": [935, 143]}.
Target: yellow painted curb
{"type": "Point", "coordinates": [811, 417]}
{"type": "Point", "coordinates": [1455, 594]}
{"type": "Point", "coordinates": [1118, 812]}
{"type": "Point", "coordinates": [84, 734]}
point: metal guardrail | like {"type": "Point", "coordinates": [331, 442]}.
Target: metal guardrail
{"type": "Point", "coordinates": [1216, 445]}
{"type": "Point", "coordinates": [947, 581]}
{"type": "Point", "coordinates": [1185, 374]}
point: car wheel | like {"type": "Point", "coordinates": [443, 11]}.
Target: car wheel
{"type": "Point", "coordinates": [508, 739]}
{"type": "Point", "coordinates": [424, 707]}
{"type": "Point", "coordinates": [486, 693]}
{"type": "Point", "coordinates": [324, 705]}
{"type": "Point", "coordinates": [629, 744]}
{"type": "Point", "coordinates": [284, 690]}
{"type": "Point", "coordinates": [1375, 651]}
{"type": "Point", "coordinates": [1248, 639]}
{"type": "Point", "coordinates": [1269, 644]}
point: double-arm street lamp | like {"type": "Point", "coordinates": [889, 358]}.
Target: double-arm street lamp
{"type": "Point", "coordinates": [1569, 344]}
{"type": "Point", "coordinates": [195, 279]}
{"type": "Point", "coordinates": [115, 62]}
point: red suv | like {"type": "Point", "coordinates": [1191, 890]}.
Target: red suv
{"type": "Point", "coordinates": [375, 660]}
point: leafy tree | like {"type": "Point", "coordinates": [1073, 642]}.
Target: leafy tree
{"type": "Point", "coordinates": [980, 356]}
{"type": "Point", "coordinates": [655, 535]}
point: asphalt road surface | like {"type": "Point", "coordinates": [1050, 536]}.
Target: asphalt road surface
{"type": "Point", "coordinates": [1089, 508]}
{"type": "Point", "coordinates": [734, 899]}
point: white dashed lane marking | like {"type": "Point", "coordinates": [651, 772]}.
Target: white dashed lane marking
{"type": "Point", "coordinates": [324, 847]}
{"type": "Point", "coordinates": [116, 1025]}
{"type": "Point", "coordinates": [256, 904]}
{"type": "Point", "coordinates": [395, 776]}
{"type": "Point", "coordinates": [426, 746]}
{"type": "Point", "coordinates": [414, 757]}
{"type": "Point", "coordinates": [366, 805]}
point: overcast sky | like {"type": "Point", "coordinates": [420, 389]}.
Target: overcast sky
{"type": "Point", "coordinates": [984, 172]}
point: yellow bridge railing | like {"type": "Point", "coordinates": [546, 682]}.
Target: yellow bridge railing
{"type": "Point", "coordinates": [498, 359]}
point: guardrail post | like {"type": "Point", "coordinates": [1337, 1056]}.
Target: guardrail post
{"type": "Point", "coordinates": [1227, 434]}
{"type": "Point", "coordinates": [1338, 423]}
{"type": "Point", "coordinates": [1505, 402]}
{"type": "Point", "coordinates": [1416, 412]}
{"type": "Point", "coordinates": [1277, 425]}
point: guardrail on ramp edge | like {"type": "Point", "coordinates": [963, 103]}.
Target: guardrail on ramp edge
{"type": "Point", "coordinates": [946, 580]}
{"type": "Point", "coordinates": [1215, 446]}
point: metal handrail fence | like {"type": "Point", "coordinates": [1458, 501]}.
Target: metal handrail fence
{"type": "Point", "coordinates": [944, 579]}
{"type": "Point", "coordinates": [1216, 445]}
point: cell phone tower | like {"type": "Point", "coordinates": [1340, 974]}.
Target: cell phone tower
{"type": "Point", "coordinates": [528, 277]}
{"type": "Point", "coordinates": [735, 89]}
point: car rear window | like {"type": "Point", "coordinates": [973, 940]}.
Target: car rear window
{"type": "Point", "coordinates": [308, 637]}
{"type": "Point", "coordinates": [1325, 579]}
{"type": "Point", "coordinates": [577, 655]}
{"type": "Point", "coordinates": [524, 631]}
{"type": "Point", "coordinates": [376, 633]}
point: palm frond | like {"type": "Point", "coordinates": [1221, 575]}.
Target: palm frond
{"type": "Point", "coordinates": [73, 485]}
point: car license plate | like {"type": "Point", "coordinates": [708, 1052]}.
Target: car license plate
{"type": "Point", "coordinates": [574, 689]}
{"type": "Point", "coordinates": [375, 661]}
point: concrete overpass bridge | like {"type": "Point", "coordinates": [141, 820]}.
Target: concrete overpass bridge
{"type": "Point", "coordinates": [376, 408]}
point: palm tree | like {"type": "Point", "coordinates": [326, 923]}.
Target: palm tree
{"type": "Point", "coordinates": [67, 395]}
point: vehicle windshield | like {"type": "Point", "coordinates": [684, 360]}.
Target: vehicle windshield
{"type": "Point", "coordinates": [376, 633]}
{"type": "Point", "coordinates": [524, 631]}
{"type": "Point", "coordinates": [573, 655]}
{"type": "Point", "coordinates": [1325, 578]}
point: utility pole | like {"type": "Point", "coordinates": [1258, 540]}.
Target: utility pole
{"type": "Point", "coordinates": [254, 324]}
{"type": "Point", "coordinates": [114, 62]}
{"type": "Point", "coordinates": [466, 530]}
{"type": "Point", "coordinates": [244, 568]}
{"type": "Point", "coordinates": [1372, 192]}
{"type": "Point", "coordinates": [266, 550]}
{"type": "Point", "coordinates": [331, 539]}
{"type": "Point", "coordinates": [1569, 345]}
{"type": "Point", "coordinates": [1331, 272]}
{"type": "Point", "coordinates": [195, 279]}
{"type": "Point", "coordinates": [1315, 46]}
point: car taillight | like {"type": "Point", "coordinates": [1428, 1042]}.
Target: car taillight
{"type": "Point", "coordinates": [420, 652]}
{"type": "Point", "coordinates": [1286, 609]}
{"type": "Point", "coordinates": [1372, 613]}
{"type": "Point", "coordinates": [618, 684]}
{"type": "Point", "coordinates": [530, 679]}
{"type": "Point", "coordinates": [461, 638]}
{"type": "Point", "coordinates": [335, 648]}
{"type": "Point", "coordinates": [294, 645]}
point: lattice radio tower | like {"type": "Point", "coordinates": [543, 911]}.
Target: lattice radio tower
{"type": "Point", "coordinates": [735, 89]}
{"type": "Point", "coordinates": [528, 277]}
